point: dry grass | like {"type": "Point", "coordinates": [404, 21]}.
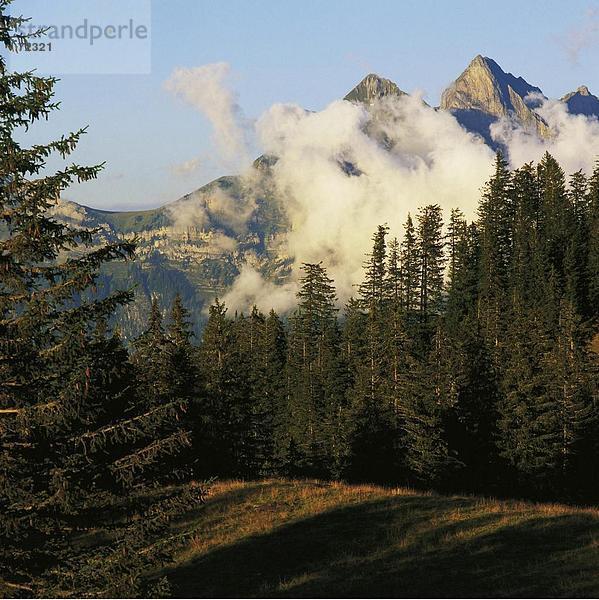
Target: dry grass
{"type": "Point", "coordinates": [282, 538]}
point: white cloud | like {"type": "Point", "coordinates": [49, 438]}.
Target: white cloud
{"type": "Point", "coordinates": [574, 142]}
{"type": "Point", "coordinates": [333, 214]}
{"type": "Point", "coordinates": [403, 155]}
{"type": "Point", "coordinates": [250, 289]}
{"type": "Point", "coordinates": [206, 89]}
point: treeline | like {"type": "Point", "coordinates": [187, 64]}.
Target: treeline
{"type": "Point", "coordinates": [464, 361]}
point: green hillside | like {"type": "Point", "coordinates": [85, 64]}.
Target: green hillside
{"type": "Point", "coordinates": [178, 244]}
{"type": "Point", "coordinates": [130, 221]}
{"type": "Point", "coordinates": [135, 221]}
{"type": "Point", "coordinates": [311, 539]}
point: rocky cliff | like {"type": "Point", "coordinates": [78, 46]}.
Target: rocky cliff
{"type": "Point", "coordinates": [484, 93]}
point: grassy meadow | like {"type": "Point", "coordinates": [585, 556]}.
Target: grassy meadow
{"type": "Point", "coordinates": [282, 538]}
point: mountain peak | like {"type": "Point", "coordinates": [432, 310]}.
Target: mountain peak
{"type": "Point", "coordinates": [373, 87]}
{"type": "Point", "coordinates": [484, 85]}
{"type": "Point", "coordinates": [582, 102]}
{"type": "Point", "coordinates": [583, 91]}
{"type": "Point", "coordinates": [484, 92]}
{"type": "Point", "coordinates": [480, 60]}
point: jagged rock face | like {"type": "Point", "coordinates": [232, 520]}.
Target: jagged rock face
{"type": "Point", "coordinates": [484, 92]}
{"type": "Point", "coordinates": [485, 86]}
{"type": "Point", "coordinates": [582, 102]}
{"type": "Point", "coordinates": [372, 88]}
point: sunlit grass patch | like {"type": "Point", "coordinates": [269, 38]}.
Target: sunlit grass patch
{"type": "Point", "coordinates": [282, 538]}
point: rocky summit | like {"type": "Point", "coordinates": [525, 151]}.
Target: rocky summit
{"type": "Point", "coordinates": [582, 102]}
{"type": "Point", "coordinates": [373, 88]}
{"type": "Point", "coordinates": [484, 92]}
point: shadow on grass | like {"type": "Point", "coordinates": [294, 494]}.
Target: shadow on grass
{"type": "Point", "coordinates": [235, 495]}
{"type": "Point", "coordinates": [405, 546]}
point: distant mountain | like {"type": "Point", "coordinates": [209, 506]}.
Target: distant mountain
{"type": "Point", "coordinates": [198, 244]}
{"type": "Point", "coordinates": [372, 88]}
{"type": "Point", "coordinates": [484, 93]}
{"type": "Point", "coordinates": [195, 245]}
{"type": "Point", "coordinates": [582, 102]}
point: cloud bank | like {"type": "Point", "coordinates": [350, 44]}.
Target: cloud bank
{"type": "Point", "coordinates": [340, 180]}
{"type": "Point", "coordinates": [574, 143]}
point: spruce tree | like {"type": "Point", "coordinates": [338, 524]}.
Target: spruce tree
{"type": "Point", "coordinates": [215, 364]}
{"type": "Point", "coordinates": [258, 367]}
{"type": "Point", "coordinates": [576, 252]}
{"type": "Point", "coordinates": [375, 300]}
{"type": "Point", "coordinates": [425, 401]}
{"type": "Point", "coordinates": [462, 276]}
{"type": "Point", "coordinates": [431, 257]}
{"type": "Point", "coordinates": [162, 398]}
{"type": "Point", "coordinates": [313, 364]}
{"type": "Point", "coordinates": [410, 268]}
{"type": "Point", "coordinates": [557, 219]}
{"type": "Point", "coordinates": [592, 274]}
{"type": "Point", "coordinates": [468, 382]}
{"type": "Point", "coordinates": [495, 222]}
{"type": "Point", "coordinates": [372, 395]}
{"type": "Point", "coordinates": [272, 386]}
{"type": "Point", "coordinates": [526, 249]}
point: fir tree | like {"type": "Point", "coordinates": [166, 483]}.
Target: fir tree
{"type": "Point", "coordinates": [272, 386]}
{"type": "Point", "coordinates": [426, 399]}
{"type": "Point", "coordinates": [215, 364]}
{"type": "Point", "coordinates": [526, 239]}
{"type": "Point", "coordinates": [557, 221]}
{"type": "Point", "coordinates": [313, 353]}
{"type": "Point", "coordinates": [575, 258]}
{"type": "Point", "coordinates": [462, 279]}
{"type": "Point", "coordinates": [496, 215]}
{"type": "Point", "coordinates": [592, 274]}
{"type": "Point", "coordinates": [410, 268]}
{"type": "Point", "coordinates": [372, 398]}
{"type": "Point", "coordinates": [431, 261]}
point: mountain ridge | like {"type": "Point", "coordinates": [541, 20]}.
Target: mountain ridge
{"type": "Point", "coordinates": [375, 87]}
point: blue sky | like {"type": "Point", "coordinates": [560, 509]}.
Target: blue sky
{"type": "Point", "coordinates": [309, 53]}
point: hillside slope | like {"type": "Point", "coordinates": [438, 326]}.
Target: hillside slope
{"type": "Point", "coordinates": [312, 539]}
{"type": "Point", "coordinates": [194, 246]}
